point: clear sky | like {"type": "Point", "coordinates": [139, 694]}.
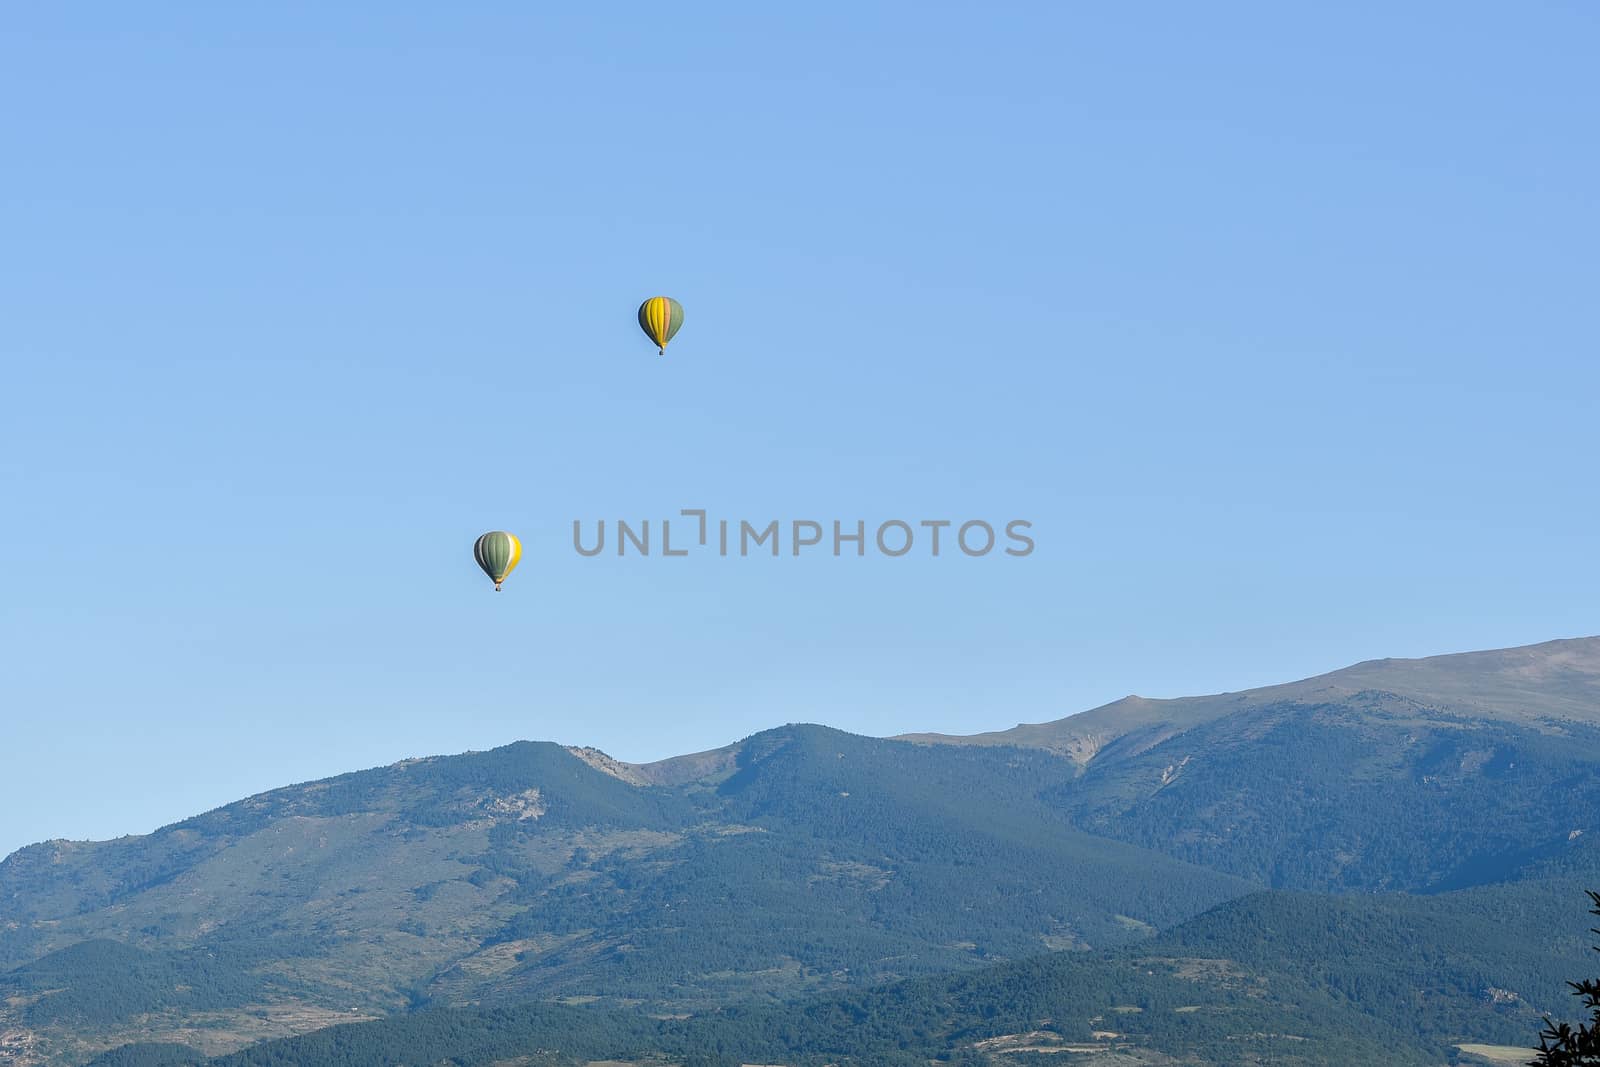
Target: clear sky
{"type": "Point", "coordinates": [1277, 321]}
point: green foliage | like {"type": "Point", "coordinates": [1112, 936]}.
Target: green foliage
{"type": "Point", "coordinates": [1065, 997]}
{"type": "Point", "coordinates": [1562, 1045]}
{"type": "Point", "coordinates": [103, 981]}
{"type": "Point", "coordinates": [860, 859]}
{"type": "Point", "coordinates": [1287, 978]}
{"type": "Point", "coordinates": [829, 868]}
{"type": "Point", "coordinates": [149, 1054]}
{"type": "Point", "coordinates": [543, 1034]}
{"type": "Point", "coordinates": [1334, 797]}
{"type": "Point", "coordinates": [576, 794]}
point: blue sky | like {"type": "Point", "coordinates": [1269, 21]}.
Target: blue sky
{"type": "Point", "coordinates": [1276, 321]}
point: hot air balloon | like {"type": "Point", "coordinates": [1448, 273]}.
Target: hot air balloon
{"type": "Point", "coordinates": [498, 553]}
{"type": "Point", "coordinates": [659, 318]}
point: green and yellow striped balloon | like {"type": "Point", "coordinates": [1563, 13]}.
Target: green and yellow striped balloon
{"type": "Point", "coordinates": [498, 553]}
{"type": "Point", "coordinates": [659, 318]}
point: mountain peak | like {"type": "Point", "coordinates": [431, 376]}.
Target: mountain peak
{"type": "Point", "coordinates": [1554, 680]}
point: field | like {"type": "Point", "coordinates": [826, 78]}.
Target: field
{"type": "Point", "coordinates": [1496, 1053]}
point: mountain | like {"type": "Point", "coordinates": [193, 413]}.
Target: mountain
{"type": "Point", "coordinates": [1275, 977]}
{"type": "Point", "coordinates": [1553, 682]}
{"type": "Point", "coordinates": [808, 866]}
{"type": "Point", "coordinates": [810, 859]}
{"type": "Point", "coordinates": [1418, 775]}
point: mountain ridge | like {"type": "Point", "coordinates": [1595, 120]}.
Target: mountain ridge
{"type": "Point", "coordinates": [802, 860]}
{"type": "Point", "coordinates": [1498, 689]}
{"type": "Point", "coordinates": [1082, 735]}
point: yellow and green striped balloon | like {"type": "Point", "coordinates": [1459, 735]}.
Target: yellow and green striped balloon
{"type": "Point", "coordinates": [498, 553]}
{"type": "Point", "coordinates": [659, 318]}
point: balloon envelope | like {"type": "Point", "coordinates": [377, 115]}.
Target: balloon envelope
{"type": "Point", "coordinates": [659, 318]}
{"type": "Point", "coordinates": [498, 553]}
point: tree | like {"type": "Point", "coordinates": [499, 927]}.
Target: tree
{"type": "Point", "coordinates": [1559, 1044]}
